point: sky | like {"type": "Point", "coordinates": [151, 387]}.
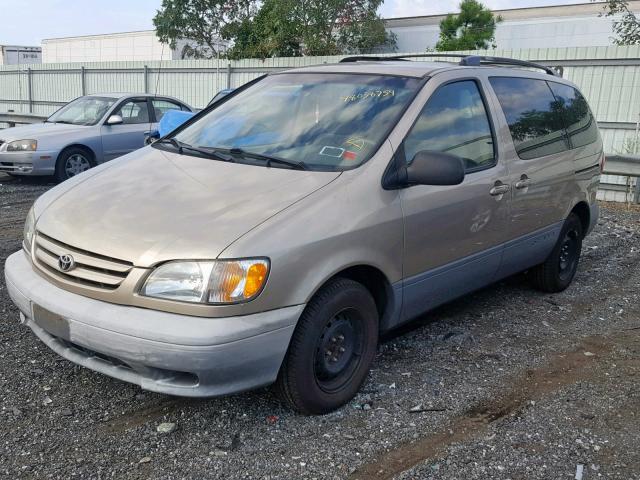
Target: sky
{"type": "Point", "coordinates": [27, 22]}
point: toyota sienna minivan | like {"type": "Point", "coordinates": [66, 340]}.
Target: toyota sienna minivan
{"type": "Point", "coordinates": [274, 236]}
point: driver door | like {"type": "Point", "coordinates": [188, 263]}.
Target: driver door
{"type": "Point", "coordinates": [120, 139]}
{"type": "Point", "coordinates": [453, 234]}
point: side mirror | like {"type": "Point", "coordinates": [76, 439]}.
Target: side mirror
{"type": "Point", "coordinates": [114, 120]}
{"type": "Point", "coordinates": [435, 168]}
{"type": "Point", "coordinates": [151, 136]}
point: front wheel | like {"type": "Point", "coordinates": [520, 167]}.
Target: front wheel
{"type": "Point", "coordinates": [332, 349]}
{"type": "Point", "coordinates": [556, 273]}
{"type": "Point", "coordinates": [72, 162]}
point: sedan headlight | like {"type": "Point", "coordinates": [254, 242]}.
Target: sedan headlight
{"type": "Point", "coordinates": [214, 282]}
{"type": "Point", "coordinates": [22, 146]}
{"type": "Point", "coordinates": [29, 229]}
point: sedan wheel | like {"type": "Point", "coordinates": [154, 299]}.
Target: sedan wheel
{"type": "Point", "coordinates": [73, 161]}
{"type": "Point", "coordinates": [76, 164]}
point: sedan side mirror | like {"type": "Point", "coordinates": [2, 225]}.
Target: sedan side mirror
{"type": "Point", "coordinates": [435, 168]}
{"type": "Point", "coordinates": [114, 120]}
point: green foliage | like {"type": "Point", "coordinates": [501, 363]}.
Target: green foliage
{"type": "Point", "coordinates": [472, 29]}
{"type": "Point", "coordinates": [627, 27]}
{"type": "Point", "coordinates": [203, 21]}
{"type": "Point", "coordinates": [272, 28]}
{"type": "Point", "coordinates": [312, 27]}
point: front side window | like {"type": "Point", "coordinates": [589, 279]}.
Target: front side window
{"type": "Point", "coordinates": [534, 116]}
{"type": "Point", "coordinates": [326, 121]}
{"type": "Point", "coordinates": [582, 128]}
{"type": "Point", "coordinates": [454, 121]}
{"type": "Point", "coordinates": [134, 112]}
{"type": "Point", "coordinates": [83, 111]}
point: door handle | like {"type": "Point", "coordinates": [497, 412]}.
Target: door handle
{"type": "Point", "coordinates": [524, 182]}
{"type": "Point", "coordinates": [499, 189]}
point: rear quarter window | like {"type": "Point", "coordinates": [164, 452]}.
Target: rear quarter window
{"type": "Point", "coordinates": [582, 128]}
{"type": "Point", "coordinates": [534, 116]}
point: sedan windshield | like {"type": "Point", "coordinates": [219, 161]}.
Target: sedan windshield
{"type": "Point", "coordinates": [83, 111]}
{"type": "Point", "coordinates": [314, 121]}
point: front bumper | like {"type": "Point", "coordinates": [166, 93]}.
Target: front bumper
{"type": "Point", "coordinates": [159, 351]}
{"type": "Point", "coordinates": [29, 163]}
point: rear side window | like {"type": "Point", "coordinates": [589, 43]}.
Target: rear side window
{"type": "Point", "coordinates": [534, 116]}
{"type": "Point", "coordinates": [454, 120]}
{"type": "Point", "coordinates": [161, 107]}
{"type": "Point", "coordinates": [582, 128]}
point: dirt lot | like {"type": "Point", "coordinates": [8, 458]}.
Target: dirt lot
{"type": "Point", "coordinates": [507, 383]}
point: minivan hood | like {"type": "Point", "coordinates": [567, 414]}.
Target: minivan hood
{"type": "Point", "coordinates": [37, 130]}
{"type": "Point", "coordinates": [154, 206]}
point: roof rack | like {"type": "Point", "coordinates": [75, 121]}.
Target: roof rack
{"type": "Point", "coordinates": [467, 60]}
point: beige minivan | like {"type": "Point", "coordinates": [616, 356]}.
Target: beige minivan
{"type": "Point", "coordinates": [275, 235]}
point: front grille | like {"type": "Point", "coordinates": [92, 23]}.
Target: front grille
{"type": "Point", "coordinates": [91, 269]}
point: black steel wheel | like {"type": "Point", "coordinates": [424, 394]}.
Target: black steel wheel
{"type": "Point", "coordinates": [556, 273]}
{"type": "Point", "coordinates": [331, 350]}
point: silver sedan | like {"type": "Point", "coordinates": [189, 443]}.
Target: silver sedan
{"type": "Point", "coordinates": [85, 132]}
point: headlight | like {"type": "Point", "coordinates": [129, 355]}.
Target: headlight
{"type": "Point", "coordinates": [22, 146]}
{"type": "Point", "coordinates": [214, 282]}
{"type": "Point", "coordinates": [29, 229]}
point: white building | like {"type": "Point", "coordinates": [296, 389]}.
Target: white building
{"type": "Point", "coordinates": [16, 55]}
{"type": "Point", "coordinates": [128, 46]}
{"type": "Point", "coordinates": [537, 27]}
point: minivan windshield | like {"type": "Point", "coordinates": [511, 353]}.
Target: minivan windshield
{"type": "Point", "coordinates": [83, 111]}
{"type": "Point", "coordinates": [317, 121]}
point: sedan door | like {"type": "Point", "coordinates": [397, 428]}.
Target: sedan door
{"type": "Point", "coordinates": [453, 234]}
{"type": "Point", "coordinates": [120, 139]}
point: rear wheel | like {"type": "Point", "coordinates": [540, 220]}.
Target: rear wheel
{"type": "Point", "coordinates": [556, 273]}
{"type": "Point", "coordinates": [332, 349]}
{"type": "Point", "coordinates": [72, 162]}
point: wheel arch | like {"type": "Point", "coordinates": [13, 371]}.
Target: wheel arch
{"type": "Point", "coordinates": [83, 146]}
{"type": "Point", "coordinates": [386, 297]}
{"type": "Point", "coordinates": [582, 210]}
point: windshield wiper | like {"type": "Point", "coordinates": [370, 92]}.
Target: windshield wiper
{"type": "Point", "coordinates": [181, 147]}
{"type": "Point", "coordinates": [267, 158]}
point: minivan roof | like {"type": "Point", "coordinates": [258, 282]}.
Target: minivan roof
{"type": "Point", "coordinates": [401, 66]}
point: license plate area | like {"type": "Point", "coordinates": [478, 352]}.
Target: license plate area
{"type": "Point", "coordinates": [53, 323]}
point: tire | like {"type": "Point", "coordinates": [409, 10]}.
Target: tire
{"type": "Point", "coordinates": [556, 273]}
{"type": "Point", "coordinates": [331, 350]}
{"type": "Point", "coordinates": [72, 162]}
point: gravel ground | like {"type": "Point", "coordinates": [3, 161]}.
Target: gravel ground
{"type": "Point", "coordinates": [507, 383]}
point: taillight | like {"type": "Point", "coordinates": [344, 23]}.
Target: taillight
{"type": "Point", "coordinates": [603, 160]}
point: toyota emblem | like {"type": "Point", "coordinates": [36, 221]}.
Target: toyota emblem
{"type": "Point", "coordinates": [66, 263]}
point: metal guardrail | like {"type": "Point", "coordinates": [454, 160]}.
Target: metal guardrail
{"type": "Point", "coordinates": [12, 118]}
{"type": "Point", "coordinates": [626, 166]}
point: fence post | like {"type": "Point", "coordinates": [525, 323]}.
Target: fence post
{"type": "Point", "coordinates": [146, 79]}
{"type": "Point", "coordinates": [83, 83]}
{"type": "Point", "coordinates": [29, 90]}
{"type": "Point", "coordinates": [228, 75]}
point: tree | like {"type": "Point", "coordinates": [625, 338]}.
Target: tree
{"type": "Point", "coordinates": [627, 24]}
{"type": "Point", "coordinates": [312, 27]}
{"type": "Point", "coordinates": [472, 29]}
{"type": "Point", "coordinates": [271, 33]}
{"type": "Point", "coordinates": [202, 21]}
